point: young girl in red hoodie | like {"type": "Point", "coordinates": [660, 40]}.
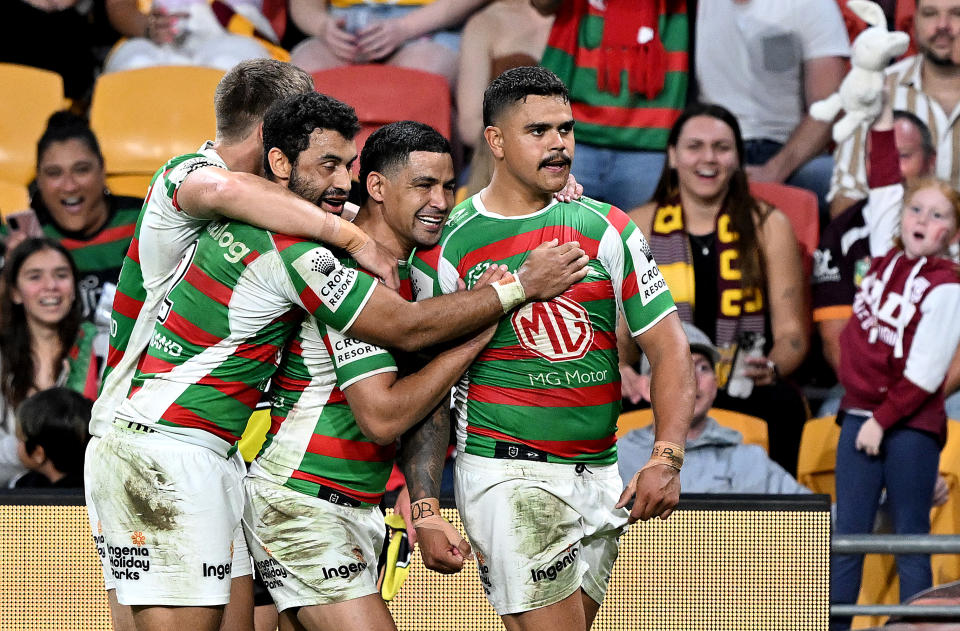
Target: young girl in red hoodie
{"type": "Point", "coordinates": [896, 349]}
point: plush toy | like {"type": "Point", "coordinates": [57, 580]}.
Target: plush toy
{"type": "Point", "coordinates": [861, 93]}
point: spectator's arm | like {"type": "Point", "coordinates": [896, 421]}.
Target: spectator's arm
{"type": "Point", "coordinates": [438, 15]}
{"type": "Point", "coordinates": [822, 77]}
{"type": "Point", "coordinates": [126, 18]}
{"type": "Point", "coordinates": [310, 16]}
{"type": "Point", "coordinates": [472, 78]}
{"type": "Point", "coordinates": [785, 293]}
{"type": "Point", "coordinates": [830, 337]}
{"type": "Point", "coordinates": [952, 382]}
{"type": "Point", "coordinates": [546, 7]}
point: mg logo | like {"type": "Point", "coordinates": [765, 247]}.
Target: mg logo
{"type": "Point", "coordinates": [558, 330]}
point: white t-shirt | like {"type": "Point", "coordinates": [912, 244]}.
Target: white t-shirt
{"type": "Point", "coordinates": [750, 55]}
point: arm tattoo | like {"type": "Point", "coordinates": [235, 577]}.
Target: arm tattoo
{"type": "Point", "coordinates": [423, 450]}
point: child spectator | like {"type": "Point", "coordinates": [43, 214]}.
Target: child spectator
{"type": "Point", "coordinates": [895, 352]}
{"type": "Point", "coordinates": [52, 438]}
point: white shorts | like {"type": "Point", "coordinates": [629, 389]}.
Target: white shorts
{"type": "Point", "coordinates": [540, 530]}
{"type": "Point", "coordinates": [309, 551]}
{"type": "Point", "coordinates": [165, 517]}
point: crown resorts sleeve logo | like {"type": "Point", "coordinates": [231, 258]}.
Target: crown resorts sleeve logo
{"type": "Point", "coordinates": [558, 330]}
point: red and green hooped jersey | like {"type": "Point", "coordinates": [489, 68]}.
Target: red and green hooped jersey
{"type": "Point", "coordinates": [83, 371]}
{"type": "Point", "coordinates": [162, 234]}
{"type": "Point", "coordinates": [313, 437]}
{"type": "Point", "coordinates": [239, 296]}
{"type": "Point", "coordinates": [549, 378]}
{"type": "Point", "coordinates": [98, 257]}
{"type": "Point", "coordinates": [626, 120]}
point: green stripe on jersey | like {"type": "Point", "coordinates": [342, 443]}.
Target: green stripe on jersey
{"type": "Point", "coordinates": [550, 373]}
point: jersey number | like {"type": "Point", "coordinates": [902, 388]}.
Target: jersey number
{"type": "Point", "coordinates": [166, 307]}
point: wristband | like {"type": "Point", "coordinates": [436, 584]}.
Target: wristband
{"type": "Point", "coordinates": [342, 234]}
{"type": "Point", "coordinates": [510, 292]}
{"type": "Point", "coordinates": [670, 454]}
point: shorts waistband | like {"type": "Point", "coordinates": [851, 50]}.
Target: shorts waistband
{"type": "Point", "coordinates": [536, 468]}
{"type": "Point", "coordinates": [337, 497]}
{"type": "Point", "coordinates": [130, 426]}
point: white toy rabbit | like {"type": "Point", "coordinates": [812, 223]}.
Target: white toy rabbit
{"type": "Point", "coordinates": [860, 93]}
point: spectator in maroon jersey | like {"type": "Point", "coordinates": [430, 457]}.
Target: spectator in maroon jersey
{"type": "Point", "coordinates": [733, 266]}
{"type": "Point", "coordinates": [896, 349]}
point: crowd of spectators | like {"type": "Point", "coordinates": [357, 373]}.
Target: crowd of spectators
{"type": "Point", "coordinates": [679, 104]}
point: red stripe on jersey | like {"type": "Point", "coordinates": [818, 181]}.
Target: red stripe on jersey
{"type": "Point", "coordinates": [113, 356]}
{"type": "Point", "coordinates": [250, 258]}
{"type": "Point", "coordinates": [236, 390]}
{"type": "Point", "coordinates": [612, 116]}
{"type": "Point", "coordinates": [188, 331]}
{"type": "Point", "coordinates": [201, 281]}
{"type": "Point", "coordinates": [593, 290]}
{"type": "Point", "coordinates": [602, 341]}
{"type": "Point", "coordinates": [154, 365]}
{"type": "Point", "coordinates": [284, 241]}
{"type": "Point", "coordinates": [406, 290]}
{"type": "Point", "coordinates": [290, 384]}
{"type": "Point", "coordinates": [336, 396]}
{"type": "Point", "coordinates": [344, 449]}
{"type": "Point", "coordinates": [523, 243]}
{"type": "Point", "coordinates": [111, 234]}
{"type": "Point", "coordinates": [369, 498]}
{"type": "Point", "coordinates": [133, 252]}
{"type": "Point", "coordinates": [275, 423]}
{"type": "Point", "coordinates": [126, 306]}
{"type": "Point", "coordinates": [310, 299]}
{"type": "Point", "coordinates": [675, 61]}
{"type": "Point", "coordinates": [601, 394]}
{"type": "Point", "coordinates": [257, 352]}
{"type": "Point", "coordinates": [173, 199]}
{"type": "Point", "coordinates": [562, 448]}
{"type": "Point", "coordinates": [185, 418]}
{"type": "Point", "coordinates": [630, 288]}
{"type": "Point", "coordinates": [431, 257]}
{"type": "Point", "coordinates": [618, 219]}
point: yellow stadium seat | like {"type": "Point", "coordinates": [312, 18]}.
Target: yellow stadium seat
{"type": "Point", "coordinates": [30, 96]}
{"type": "Point", "coordinates": [13, 197]}
{"type": "Point", "coordinates": [754, 429]}
{"type": "Point", "coordinates": [144, 117]}
{"type": "Point", "coordinates": [816, 469]}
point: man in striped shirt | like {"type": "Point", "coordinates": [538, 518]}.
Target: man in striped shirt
{"type": "Point", "coordinates": [223, 178]}
{"type": "Point", "coordinates": [536, 477]}
{"type": "Point", "coordinates": [927, 85]}
{"type": "Point", "coordinates": [168, 471]}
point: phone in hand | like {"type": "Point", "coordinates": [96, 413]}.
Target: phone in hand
{"type": "Point", "coordinates": [24, 222]}
{"type": "Point", "coordinates": [749, 344]}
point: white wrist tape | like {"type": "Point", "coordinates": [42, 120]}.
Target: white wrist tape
{"type": "Point", "coordinates": [510, 292]}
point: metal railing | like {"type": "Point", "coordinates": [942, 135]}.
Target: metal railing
{"type": "Point", "coordinates": [897, 544]}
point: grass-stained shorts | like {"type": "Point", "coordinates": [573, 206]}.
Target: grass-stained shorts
{"type": "Point", "coordinates": [165, 518]}
{"type": "Point", "coordinates": [540, 530]}
{"type": "Point", "coordinates": [310, 551]}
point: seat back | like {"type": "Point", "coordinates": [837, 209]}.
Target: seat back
{"type": "Point", "coordinates": [754, 429]}
{"type": "Point", "coordinates": [800, 207]}
{"type": "Point", "coordinates": [144, 117]}
{"type": "Point", "coordinates": [817, 460]}
{"type": "Point", "coordinates": [30, 96]}
{"type": "Point", "coordinates": [413, 95]}
{"type": "Point", "coordinates": [13, 197]}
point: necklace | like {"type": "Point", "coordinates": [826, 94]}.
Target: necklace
{"type": "Point", "coordinates": [704, 241]}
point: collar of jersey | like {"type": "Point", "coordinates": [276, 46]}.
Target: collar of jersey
{"type": "Point", "coordinates": [478, 204]}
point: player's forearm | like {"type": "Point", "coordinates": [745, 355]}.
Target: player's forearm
{"type": "Point", "coordinates": [211, 192]}
{"type": "Point", "coordinates": [423, 451]}
{"type": "Point", "coordinates": [411, 398]}
{"type": "Point", "coordinates": [672, 384]}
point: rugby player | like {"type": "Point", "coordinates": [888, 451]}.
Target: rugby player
{"type": "Point", "coordinates": [536, 479]}
{"type": "Point", "coordinates": [166, 478]}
